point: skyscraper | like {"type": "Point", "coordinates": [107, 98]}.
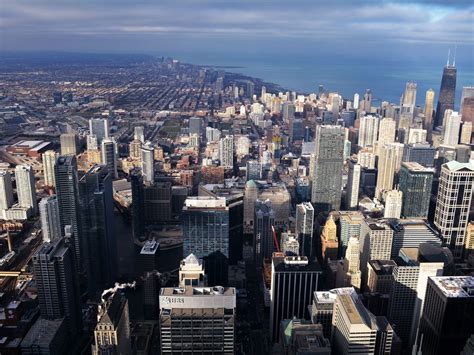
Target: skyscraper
{"type": "Point", "coordinates": [205, 222]}
{"type": "Point", "coordinates": [415, 185]}
{"type": "Point", "coordinates": [348, 274]}
{"type": "Point", "coordinates": [446, 321]}
{"type": "Point", "coordinates": [368, 131]}
{"type": "Point", "coordinates": [109, 156]}
{"type": "Point", "coordinates": [55, 275]}
{"type": "Point", "coordinates": [98, 229]}
{"type": "Point", "coordinates": [407, 292]}
{"type": "Point", "coordinates": [291, 301]}
{"type": "Point", "coordinates": [69, 144]}
{"type": "Point", "coordinates": [353, 184]}
{"type": "Point", "coordinates": [250, 196]}
{"type": "Point", "coordinates": [451, 131]}
{"type": "Point", "coordinates": [49, 214]}
{"type": "Point", "coordinates": [393, 203]}
{"type": "Point", "coordinates": [195, 125]}
{"type": "Point", "coordinates": [304, 228]}
{"type": "Point", "coordinates": [49, 160]}
{"type": "Point", "coordinates": [327, 169]}
{"type": "Point", "coordinates": [329, 242]}
{"type": "Point", "coordinates": [367, 101]}
{"type": "Point", "coordinates": [419, 153]}
{"type": "Point", "coordinates": [100, 128]}
{"type": "Point", "coordinates": [138, 216]}
{"type": "Point", "coordinates": [408, 100]}
{"type": "Point", "coordinates": [148, 162]}
{"type": "Point", "coordinates": [112, 332]}
{"type": "Point", "coordinates": [264, 220]}
{"type": "Point", "coordinates": [68, 200]}
{"type": "Point", "coordinates": [453, 203]}
{"type": "Point", "coordinates": [198, 320]}
{"type": "Point", "coordinates": [428, 112]}
{"type": "Point", "coordinates": [6, 191]}
{"type": "Point", "coordinates": [226, 152]}
{"type": "Point", "coordinates": [139, 133]}
{"type": "Point", "coordinates": [446, 93]}
{"type": "Point", "coordinates": [387, 130]}
{"type": "Point", "coordinates": [389, 163]}
{"type": "Point", "coordinates": [25, 187]}
{"type": "Point", "coordinates": [350, 223]}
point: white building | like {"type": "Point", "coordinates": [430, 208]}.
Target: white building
{"type": "Point", "coordinates": [451, 130]}
{"type": "Point", "coordinates": [49, 214]}
{"type": "Point", "coordinates": [393, 204]}
{"type": "Point", "coordinates": [226, 152]}
{"type": "Point", "coordinates": [49, 160]}
{"type": "Point", "coordinates": [6, 192]}
{"type": "Point", "coordinates": [25, 185]}
{"type": "Point", "coordinates": [368, 131]}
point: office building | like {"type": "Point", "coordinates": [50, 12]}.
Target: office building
{"type": "Point", "coordinates": [205, 222]}
{"type": "Point", "coordinates": [323, 306]}
{"type": "Point", "coordinates": [407, 292]}
{"type": "Point", "coordinates": [99, 127]}
{"type": "Point", "coordinates": [49, 160]}
{"type": "Point", "coordinates": [410, 233]}
{"type": "Point", "coordinates": [408, 99]}
{"type": "Point", "coordinates": [348, 273]}
{"type": "Point", "coordinates": [416, 135]}
{"type": "Point", "coordinates": [254, 170]}
{"type": "Point", "coordinates": [280, 198]}
{"type": "Point", "coordinates": [6, 191]}
{"type": "Point", "coordinates": [469, 241]}
{"type": "Point", "coordinates": [156, 203]}
{"type": "Point", "coordinates": [291, 301]}
{"type": "Point", "coordinates": [428, 112]}
{"type": "Point", "coordinates": [135, 149]}
{"type": "Point", "coordinates": [138, 216]}
{"type": "Point", "coordinates": [452, 129]}
{"type": "Point", "coordinates": [368, 130]}
{"type": "Point", "coordinates": [195, 125]}
{"type": "Point", "coordinates": [393, 203]}
{"type": "Point", "coordinates": [447, 92]}
{"type": "Point", "coordinates": [198, 319]}
{"type": "Point", "coordinates": [389, 163]}
{"type": "Point", "coordinates": [327, 168]}
{"type": "Point", "coordinates": [191, 272]}
{"type": "Point", "coordinates": [380, 276]}
{"type": "Point", "coordinates": [304, 228]}
{"type": "Point", "coordinates": [367, 103]}
{"type": "Point", "coordinates": [387, 130]}
{"type": "Point", "coordinates": [55, 276]}
{"type": "Point", "coordinates": [263, 238]}
{"type": "Point", "coordinates": [69, 144]}
{"type": "Point", "coordinates": [226, 152]}
{"type": "Point", "coordinates": [148, 162]}
{"type": "Point", "coordinates": [423, 154]}
{"type": "Point", "coordinates": [299, 336]}
{"type": "Point", "coordinates": [49, 215]}
{"type": "Point", "coordinates": [329, 242]}
{"type": "Point", "coordinates": [350, 226]}
{"type": "Point", "coordinates": [415, 182]}
{"type": "Point", "coordinates": [375, 244]}
{"type": "Point", "coordinates": [91, 142]}
{"type": "Point", "coordinates": [25, 187]}
{"type": "Point", "coordinates": [68, 200]}
{"type": "Point", "coordinates": [139, 133]}
{"type": "Point", "coordinates": [353, 184]}
{"type": "Point", "coordinates": [250, 196]}
{"type": "Point", "coordinates": [109, 156]}
{"type": "Point", "coordinates": [446, 321]}
{"type": "Point", "coordinates": [289, 244]}
{"type": "Point", "coordinates": [453, 203]}
{"type": "Point", "coordinates": [46, 336]}
{"type": "Point", "coordinates": [98, 229]}
{"type": "Point", "coordinates": [354, 329]}
{"type": "Point", "coordinates": [112, 332]}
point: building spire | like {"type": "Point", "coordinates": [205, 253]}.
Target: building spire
{"type": "Point", "coordinates": [449, 54]}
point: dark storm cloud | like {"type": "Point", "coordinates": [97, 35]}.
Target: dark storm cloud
{"type": "Point", "coordinates": [148, 25]}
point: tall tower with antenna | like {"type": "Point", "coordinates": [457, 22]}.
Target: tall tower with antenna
{"type": "Point", "coordinates": [447, 90]}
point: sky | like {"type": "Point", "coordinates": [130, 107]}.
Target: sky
{"type": "Point", "coordinates": [216, 26]}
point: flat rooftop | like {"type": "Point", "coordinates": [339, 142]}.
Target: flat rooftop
{"type": "Point", "coordinates": [455, 286]}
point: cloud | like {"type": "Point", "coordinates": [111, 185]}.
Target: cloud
{"type": "Point", "coordinates": [24, 23]}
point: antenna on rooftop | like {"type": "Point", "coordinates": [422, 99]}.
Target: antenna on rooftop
{"type": "Point", "coordinates": [455, 50]}
{"type": "Point", "coordinates": [449, 54]}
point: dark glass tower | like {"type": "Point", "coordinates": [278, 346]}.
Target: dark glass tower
{"type": "Point", "coordinates": [100, 252]}
{"type": "Point", "coordinates": [58, 295]}
{"type": "Point", "coordinates": [68, 200]}
{"type": "Point", "coordinates": [138, 217]}
{"type": "Point", "coordinates": [446, 93]}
